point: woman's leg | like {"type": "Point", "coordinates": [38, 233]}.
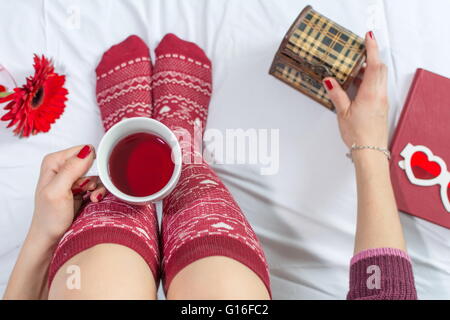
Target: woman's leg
{"type": "Point", "coordinates": [112, 248]}
{"type": "Point", "coordinates": [209, 249]}
{"type": "Point", "coordinates": [103, 272]}
{"type": "Point", "coordinates": [217, 278]}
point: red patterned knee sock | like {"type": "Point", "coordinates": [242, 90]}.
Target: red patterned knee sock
{"type": "Point", "coordinates": [124, 82]}
{"type": "Point", "coordinates": [111, 220]}
{"type": "Point", "coordinates": [201, 218]}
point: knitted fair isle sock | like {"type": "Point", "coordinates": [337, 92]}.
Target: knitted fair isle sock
{"type": "Point", "coordinates": [201, 218]}
{"type": "Point", "coordinates": [124, 82]}
{"type": "Point", "coordinates": [111, 220]}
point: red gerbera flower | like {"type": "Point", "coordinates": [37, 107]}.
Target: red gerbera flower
{"type": "Point", "coordinates": [35, 106]}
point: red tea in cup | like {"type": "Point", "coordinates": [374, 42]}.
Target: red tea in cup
{"type": "Point", "coordinates": [141, 164]}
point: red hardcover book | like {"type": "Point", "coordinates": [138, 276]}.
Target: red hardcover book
{"type": "Point", "coordinates": [421, 150]}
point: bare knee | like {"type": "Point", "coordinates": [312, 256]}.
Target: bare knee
{"type": "Point", "coordinates": [106, 271]}
{"type": "Point", "coordinates": [217, 278]}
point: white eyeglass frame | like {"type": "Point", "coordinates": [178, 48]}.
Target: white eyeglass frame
{"type": "Point", "coordinates": [443, 179]}
{"type": "Point", "coordinates": [11, 78]}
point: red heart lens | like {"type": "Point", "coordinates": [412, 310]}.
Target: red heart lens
{"type": "Point", "coordinates": [448, 191]}
{"type": "Point", "coordinates": [423, 168]}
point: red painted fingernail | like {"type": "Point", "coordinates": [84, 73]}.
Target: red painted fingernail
{"type": "Point", "coordinates": [84, 152]}
{"type": "Point", "coordinates": [77, 191]}
{"type": "Point", "coordinates": [372, 35]}
{"type": "Point", "coordinates": [99, 197]}
{"type": "Point", "coordinates": [84, 183]}
{"type": "Point", "coordinates": [329, 84]}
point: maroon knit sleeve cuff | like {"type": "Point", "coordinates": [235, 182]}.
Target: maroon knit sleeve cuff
{"type": "Point", "coordinates": [381, 274]}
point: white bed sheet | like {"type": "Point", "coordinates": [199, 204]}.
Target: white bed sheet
{"type": "Point", "coordinates": [305, 214]}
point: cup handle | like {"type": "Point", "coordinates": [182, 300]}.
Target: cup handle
{"type": "Point", "coordinates": [159, 212]}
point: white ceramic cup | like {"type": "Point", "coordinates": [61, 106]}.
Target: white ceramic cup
{"type": "Point", "coordinates": [123, 129]}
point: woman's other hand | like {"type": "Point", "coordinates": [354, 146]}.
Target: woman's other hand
{"type": "Point", "coordinates": [60, 190]}
{"type": "Point", "coordinates": [364, 121]}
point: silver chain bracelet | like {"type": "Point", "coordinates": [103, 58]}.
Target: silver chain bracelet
{"type": "Point", "coordinates": [355, 147]}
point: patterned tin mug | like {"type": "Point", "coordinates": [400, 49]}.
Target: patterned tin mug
{"type": "Point", "coordinates": [314, 48]}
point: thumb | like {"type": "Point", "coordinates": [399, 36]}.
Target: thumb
{"type": "Point", "coordinates": [73, 168]}
{"type": "Point", "coordinates": [337, 95]}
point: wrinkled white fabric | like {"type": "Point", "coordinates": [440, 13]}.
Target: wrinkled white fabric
{"type": "Point", "coordinates": [305, 214]}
